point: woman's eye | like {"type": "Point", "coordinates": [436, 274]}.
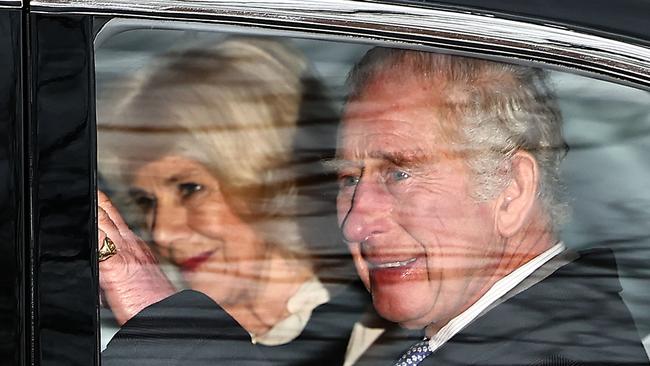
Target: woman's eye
{"type": "Point", "coordinates": [189, 188]}
{"type": "Point", "coordinates": [145, 203]}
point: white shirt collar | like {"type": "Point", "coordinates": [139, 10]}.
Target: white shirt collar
{"type": "Point", "coordinates": [300, 306]}
{"type": "Point", "coordinates": [498, 290]}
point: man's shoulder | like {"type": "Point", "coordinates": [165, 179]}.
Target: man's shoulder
{"type": "Point", "coordinates": [574, 314]}
{"type": "Point", "coordinates": [591, 275]}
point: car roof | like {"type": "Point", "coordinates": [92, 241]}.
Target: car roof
{"type": "Point", "coordinates": [619, 19]}
{"type": "Point", "coordinates": [625, 20]}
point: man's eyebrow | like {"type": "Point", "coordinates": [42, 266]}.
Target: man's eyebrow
{"type": "Point", "coordinates": [398, 158]}
{"type": "Point", "coordinates": [404, 158]}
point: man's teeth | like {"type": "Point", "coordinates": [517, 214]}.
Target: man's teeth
{"type": "Point", "coordinates": [395, 264]}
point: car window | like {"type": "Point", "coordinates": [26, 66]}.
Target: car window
{"type": "Point", "coordinates": [255, 185]}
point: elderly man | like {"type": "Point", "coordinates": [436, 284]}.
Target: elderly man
{"type": "Point", "coordinates": [448, 179]}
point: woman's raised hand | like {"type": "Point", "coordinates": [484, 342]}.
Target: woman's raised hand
{"type": "Point", "coordinates": [129, 275]}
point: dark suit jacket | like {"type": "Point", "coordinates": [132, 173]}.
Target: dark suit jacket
{"type": "Point", "coordinates": [573, 317]}
{"type": "Point", "coordinates": [189, 329]}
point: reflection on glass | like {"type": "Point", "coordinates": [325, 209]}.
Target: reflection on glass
{"type": "Point", "coordinates": [451, 206]}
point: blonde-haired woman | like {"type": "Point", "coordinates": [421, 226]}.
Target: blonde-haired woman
{"type": "Point", "coordinates": [205, 146]}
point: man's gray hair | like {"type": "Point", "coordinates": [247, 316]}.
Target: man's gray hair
{"type": "Point", "coordinates": [501, 108]}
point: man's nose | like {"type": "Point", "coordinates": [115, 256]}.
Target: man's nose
{"type": "Point", "coordinates": [368, 211]}
{"type": "Point", "coordinates": [169, 228]}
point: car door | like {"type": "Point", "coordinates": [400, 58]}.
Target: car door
{"type": "Point", "coordinates": [13, 202]}
{"type": "Point", "coordinates": [80, 52]}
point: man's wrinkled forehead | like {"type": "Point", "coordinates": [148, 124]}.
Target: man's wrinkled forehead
{"type": "Point", "coordinates": [393, 132]}
{"type": "Point", "coordinates": [407, 97]}
{"type": "Point", "coordinates": [376, 137]}
{"type": "Point", "coordinates": [384, 91]}
{"type": "Point", "coordinates": [372, 142]}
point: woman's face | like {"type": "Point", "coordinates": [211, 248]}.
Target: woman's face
{"type": "Point", "coordinates": [192, 226]}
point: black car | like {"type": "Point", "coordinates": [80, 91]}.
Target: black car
{"type": "Point", "coordinates": [65, 63]}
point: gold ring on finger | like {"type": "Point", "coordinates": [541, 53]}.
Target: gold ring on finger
{"type": "Point", "coordinates": [107, 249]}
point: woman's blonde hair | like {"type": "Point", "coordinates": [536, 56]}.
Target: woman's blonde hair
{"type": "Point", "coordinates": [233, 106]}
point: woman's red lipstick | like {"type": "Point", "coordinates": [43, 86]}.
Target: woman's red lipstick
{"type": "Point", "coordinates": [192, 263]}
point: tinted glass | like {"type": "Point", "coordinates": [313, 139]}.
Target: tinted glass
{"type": "Point", "coordinates": [490, 207]}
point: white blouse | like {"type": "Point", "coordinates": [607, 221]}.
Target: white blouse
{"type": "Point", "coordinates": [300, 306]}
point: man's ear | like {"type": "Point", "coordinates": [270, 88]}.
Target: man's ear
{"type": "Point", "coordinates": [517, 200]}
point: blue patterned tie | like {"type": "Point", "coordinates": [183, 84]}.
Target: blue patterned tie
{"type": "Point", "coordinates": [416, 354]}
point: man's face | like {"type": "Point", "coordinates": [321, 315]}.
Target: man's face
{"type": "Point", "coordinates": [424, 248]}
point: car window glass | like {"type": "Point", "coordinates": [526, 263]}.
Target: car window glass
{"type": "Point", "coordinates": [230, 189]}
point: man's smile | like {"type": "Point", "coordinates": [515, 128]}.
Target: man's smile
{"type": "Point", "coordinates": [392, 264]}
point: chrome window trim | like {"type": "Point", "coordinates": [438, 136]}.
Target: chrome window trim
{"type": "Point", "coordinates": [450, 29]}
{"type": "Point", "coordinates": [11, 3]}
